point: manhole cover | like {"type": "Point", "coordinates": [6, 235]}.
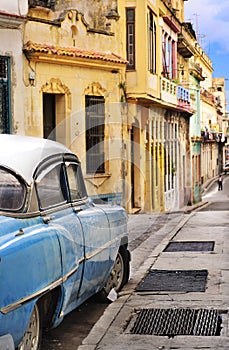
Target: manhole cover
{"type": "Point", "coordinates": [174, 281]}
{"type": "Point", "coordinates": [190, 246]}
{"type": "Point", "coordinates": [172, 322]}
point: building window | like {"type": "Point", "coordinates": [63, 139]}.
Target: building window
{"type": "Point", "coordinates": [130, 37]}
{"type": "Point", "coordinates": [95, 119]}
{"type": "Point", "coordinates": [152, 44]}
{"type": "Point", "coordinates": [43, 3]}
{"type": "Point", "coordinates": [168, 57]}
{"type": "Point", "coordinates": [4, 95]}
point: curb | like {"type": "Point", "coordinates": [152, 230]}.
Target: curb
{"type": "Point", "coordinates": [97, 333]}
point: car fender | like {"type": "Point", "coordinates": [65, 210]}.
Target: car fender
{"type": "Point", "coordinates": [117, 218]}
{"type": "Point", "coordinates": [27, 271]}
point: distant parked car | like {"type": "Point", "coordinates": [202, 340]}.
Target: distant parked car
{"type": "Point", "coordinates": [226, 168]}
{"type": "Point", "coordinates": [57, 248]}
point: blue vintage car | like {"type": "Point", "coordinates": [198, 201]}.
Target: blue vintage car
{"type": "Point", "coordinates": [57, 248]}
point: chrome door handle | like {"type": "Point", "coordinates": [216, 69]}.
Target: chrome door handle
{"type": "Point", "coordinates": [77, 209]}
{"type": "Point", "coordinates": [47, 219]}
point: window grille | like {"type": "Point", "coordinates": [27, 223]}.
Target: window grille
{"type": "Point", "coordinates": [95, 119]}
{"type": "Point", "coordinates": [130, 37]}
{"type": "Point", "coordinates": [4, 95]}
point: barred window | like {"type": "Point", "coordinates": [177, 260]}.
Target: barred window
{"type": "Point", "coordinates": [130, 37]}
{"type": "Point", "coordinates": [4, 95]}
{"type": "Point", "coordinates": [3, 67]}
{"type": "Point", "coordinates": [95, 119]}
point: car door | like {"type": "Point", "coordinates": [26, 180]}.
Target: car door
{"type": "Point", "coordinates": [57, 213]}
{"type": "Point", "coordinates": [96, 231]}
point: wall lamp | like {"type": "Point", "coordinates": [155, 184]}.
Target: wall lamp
{"type": "Point", "coordinates": [32, 76]}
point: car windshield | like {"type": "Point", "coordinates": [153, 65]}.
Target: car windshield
{"type": "Point", "coordinates": [12, 191]}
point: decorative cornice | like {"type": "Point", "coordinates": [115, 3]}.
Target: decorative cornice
{"type": "Point", "coordinates": [10, 20]}
{"type": "Point", "coordinates": [32, 50]}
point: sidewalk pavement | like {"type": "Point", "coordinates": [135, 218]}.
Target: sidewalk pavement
{"type": "Point", "coordinates": [113, 329]}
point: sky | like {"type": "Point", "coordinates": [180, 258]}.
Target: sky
{"type": "Point", "coordinates": [210, 19]}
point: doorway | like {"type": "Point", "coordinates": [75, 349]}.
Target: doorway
{"type": "Point", "coordinates": [135, 167]}
{"type": "Point", "coordinates": [54, 120]}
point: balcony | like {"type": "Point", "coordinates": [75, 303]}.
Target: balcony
{"type": "Point", "coordinates": [183, 47]}
{"type": "Point", "coordinates": [185, 41]}
{"type": "Point", "coordinates": [183, 98]}
{"type": "Point", "coordinates": [175, 95]}
{"type": "Point", "coordinates": [168, 91]}
{"type": "Point", "coordinates": [208, 97]}
{"type": "Point", "coordinates": [196, 71]}
{"type": "Point", "coordinates": [212, 136]}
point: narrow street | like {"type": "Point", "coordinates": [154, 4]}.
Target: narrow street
{"type": "Point", "coordinates": [146, 233]}
{"type": "Point", "coordinates": [76, 326]}
{"type": "Point", "coordinates": [135, 95]}
{"type": "Point", "coordinates": [219, 199]}
{"type": "Point", "coordinates": [180, 294]}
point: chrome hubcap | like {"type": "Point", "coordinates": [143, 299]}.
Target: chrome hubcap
{"type": "Point", "coordinates": [116, 275]}
{"type": "Point", "coordinates": [30, 340]}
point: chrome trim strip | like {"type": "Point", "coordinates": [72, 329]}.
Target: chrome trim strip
{"type": "Point", "coordinates": [106, 245]}
{"type": "Point", "coordinates": [17, 304]}
{"type": "Point", "coordinates": [70, 273]}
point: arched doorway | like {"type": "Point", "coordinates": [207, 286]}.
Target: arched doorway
{"type": "Point", "coordinates": [56, 110]}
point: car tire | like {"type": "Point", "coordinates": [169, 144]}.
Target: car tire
{"type": "Point", "coordinates": [119, 275]}
{"type": "Point", "coordinates": [33, 333]}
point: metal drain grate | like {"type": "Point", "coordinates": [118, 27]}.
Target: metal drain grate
{"type": "Point", "coordinates": [174, 281]}
{"type": "Point", "coordinates": [192, 246]}
{"type": "Point", "coordinates": [172, 322]}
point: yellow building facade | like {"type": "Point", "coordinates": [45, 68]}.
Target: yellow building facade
{"type": "Point", "coordinates": [159, 107]}
{"type": "Point", "coordinates": [103, 80]}
{"type": "Point", "coordinates": [72, 74]}
{"type": "Point", "coordinates": [114, 80]}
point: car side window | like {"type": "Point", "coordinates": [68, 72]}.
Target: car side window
{"type": "Point", "coordinates": [76, 185]}
{"type": "Point", "coordinates": [12, 191]}
{"type": "Point", "coordinates": [51, 188]}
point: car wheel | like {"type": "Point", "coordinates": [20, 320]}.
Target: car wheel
{"type": "Point", "coordinates": [119, 274]}
{"type": "Point", "coordinates": [32, 337]}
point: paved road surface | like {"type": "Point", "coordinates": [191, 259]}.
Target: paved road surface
{"type": "Point", "coordinates": [78, 324]}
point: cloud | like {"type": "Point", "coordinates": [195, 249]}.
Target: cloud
{"type": "Point", "coordinates": [210, 20]}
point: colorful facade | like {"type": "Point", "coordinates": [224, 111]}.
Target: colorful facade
{"type": "Point", "coordinates": [161, 112]}
{"type": "Point", "coordinates": [126, 86]}
{"type": "Point", "coordinates": [74, 95]}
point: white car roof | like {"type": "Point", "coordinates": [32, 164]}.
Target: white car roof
{"type": "Point", "coordinates": [23, 153]}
